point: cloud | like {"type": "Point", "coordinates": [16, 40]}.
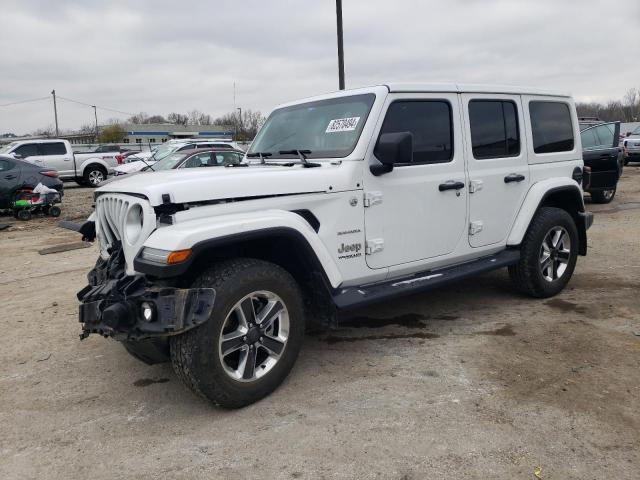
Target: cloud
{"type": "Point", "coordinates": [162, 56]}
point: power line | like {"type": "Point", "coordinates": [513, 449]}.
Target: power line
{"type": "Point", "coordinates": [95, 106]}
{"type": "Point", "coordinates": [24, 101]}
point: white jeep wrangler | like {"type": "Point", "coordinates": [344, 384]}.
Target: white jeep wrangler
{"type": "Point", "coordinates": [343, 200]}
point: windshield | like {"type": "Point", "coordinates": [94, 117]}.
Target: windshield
{"type": "Point", "coordinates": [8, 147]}
{"type": "Point", "coordinates": [167, 163]}
{"type": "Point", "coordinates": [328, 128]}
{"type": "Point", "coordinates": [164, 150]}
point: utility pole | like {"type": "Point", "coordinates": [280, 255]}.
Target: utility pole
{"type": "Point", "coordinates": [239, 121]}
{"type": "Point", "coordinates": [340, 46]}
{"type": "Point", "coordinates": [95, 114]}
{"type": "Point", "coordinates": [55, 111]}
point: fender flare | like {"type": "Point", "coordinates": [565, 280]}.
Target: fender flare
{"type": "Point", "coordinates": [536, 195]}
{"type": "Point", "coordinates": [204, 234]}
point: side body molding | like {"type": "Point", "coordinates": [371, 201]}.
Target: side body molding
{"type": "Point", "coordinates": [218, 230]}
{"type": "Point", "coordinates": [535, 196]}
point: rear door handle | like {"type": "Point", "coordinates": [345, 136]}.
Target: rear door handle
{"type": "Point", "coordinates": [10, 177]}
{"type": "Point", "coordinates": [513, 177]}
{"type": "Point", "coordinates": [451, 185]}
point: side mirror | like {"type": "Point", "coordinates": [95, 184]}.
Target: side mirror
{"type": "Point", "coordinates": [392, 148]}
{"type": "Point", "coordinates": [17, 156]}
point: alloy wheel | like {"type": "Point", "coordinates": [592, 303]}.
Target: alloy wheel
{"type": "Point", "coordinates": [254, 336]}
{"type": "Point", "coordinates": [555, 253]}
{"type": "Point", "coordinates": [95, 177]}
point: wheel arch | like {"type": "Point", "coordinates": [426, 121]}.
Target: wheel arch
{"type": "Point", "coordinates": [89, 162]}
{"type": "Point", "coordinates": [556, 193]}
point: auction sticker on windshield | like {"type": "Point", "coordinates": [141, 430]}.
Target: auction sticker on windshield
{"type": "Point", "coordinates": [342, 125]}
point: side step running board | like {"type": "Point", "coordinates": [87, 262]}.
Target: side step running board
{"type": "Point", "coordinates": [352, 297]}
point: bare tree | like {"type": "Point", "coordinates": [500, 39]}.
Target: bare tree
{"type": "Point", "coordinates": [246, 126]}
{"type": "Point", "coordinates": [177, 118]}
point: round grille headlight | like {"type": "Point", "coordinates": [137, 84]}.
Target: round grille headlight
{"type": "Point", "coordinates": [133, 224]}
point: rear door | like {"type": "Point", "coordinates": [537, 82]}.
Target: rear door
{"type": "Point", "coordinates": [55, 156]}
{"type": "Point", "coordinates": [496, 163]}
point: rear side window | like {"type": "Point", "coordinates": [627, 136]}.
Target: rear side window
{"type": "Point", "coordinates": [27, 150]}
{"type": "Point", "coordinates": [551, 127]}
{"type": "Point", "coordinates": [430, 123]}
{"type": "Point", "coordinates": [494, 129]}
{"type": "Point", "coordinates": [53, 148]}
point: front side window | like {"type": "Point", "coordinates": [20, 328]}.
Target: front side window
{"type": "Point", "coordinates": [199, 160]}
{"type": "Point", "coordinates": [494, 128]}
{"type": "Point", "coordinates": [551, 127]}
{"type": "Point", "coordinates": [5, 165]}
{"type": "Point", "coordinates": [227, 158]}
{"type": "Point", "coordinates": [429, 121]}
{"type": "Point", "coordinates": [328, 128]}
{"type": "Point", "coordinates": [27, 150]}
{"type": "Point", "coordinates": [53, 148]}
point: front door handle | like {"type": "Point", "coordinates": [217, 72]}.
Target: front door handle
{"type": "Point", "coordinates": [513, 177]}
{"type": "Point", "coordinates": [451, 185]}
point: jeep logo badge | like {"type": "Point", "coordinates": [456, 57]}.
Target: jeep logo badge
{"type": "Point", "coordinates": [350, 248]}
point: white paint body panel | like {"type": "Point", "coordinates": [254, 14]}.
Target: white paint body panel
{"type": "Point", "coordinates": [418, 227]}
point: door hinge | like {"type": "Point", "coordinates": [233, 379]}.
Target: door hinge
{"type": "Point", "coordinates": [475, 186]}
{"type": "Point", "coordinates": [374, 245]}
{"type": "Point", "coordinates": [372, 198]}
{"type": "Point", "coordinates": [475, 227]}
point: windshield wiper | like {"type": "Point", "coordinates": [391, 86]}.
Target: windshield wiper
{"type": "Point", "coordinates": [301, 155]}
{"type": "Point", "coordinates": [259, 154]}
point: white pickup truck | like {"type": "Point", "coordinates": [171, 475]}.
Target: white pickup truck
{"type": "Point", "coordinates": [87, 169]}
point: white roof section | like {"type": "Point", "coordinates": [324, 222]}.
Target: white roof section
{"type": "Point", "coordinates": [471, 88]}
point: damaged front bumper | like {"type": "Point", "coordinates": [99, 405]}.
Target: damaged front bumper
{"type": "Point", "coordinates": [133, 308]}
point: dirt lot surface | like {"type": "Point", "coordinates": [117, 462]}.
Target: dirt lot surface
{"type": "Point", "coordinates": [469, 381]}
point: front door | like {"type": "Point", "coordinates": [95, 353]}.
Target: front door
{"type": "Point", "coordinates": [497, 165]}
{"type": "Point", "coordinates": [418, 211]}
{"type": "Point", "coordinates": [55, 155]}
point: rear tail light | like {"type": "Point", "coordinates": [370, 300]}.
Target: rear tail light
{"type": "Point", "coordinates": [50, 173]}
{"type": "Point", "coordinates": [120, 159]}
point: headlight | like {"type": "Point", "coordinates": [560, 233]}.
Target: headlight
{"type": "Point", "coordinates": [165, 257]}
{"type": "Point", "coordinates": [133, 224]}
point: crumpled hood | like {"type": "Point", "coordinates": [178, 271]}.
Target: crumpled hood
{"type": "Point", "coordinates": [214, 183]}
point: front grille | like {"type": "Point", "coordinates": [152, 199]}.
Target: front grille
{"type": "Point", "coordinates": [111, 211]}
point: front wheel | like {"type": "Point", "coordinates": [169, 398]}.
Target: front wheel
{"type": "Point", "coordinates": [252, 338]}
{"type": "Point", "coordinates": [549, 253]}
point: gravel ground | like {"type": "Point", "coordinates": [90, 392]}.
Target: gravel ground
{"type": "Point", "coordinates": [469, 381]}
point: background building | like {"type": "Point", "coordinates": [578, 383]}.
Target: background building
{"type": "Point", "coordinates": [161, 132]}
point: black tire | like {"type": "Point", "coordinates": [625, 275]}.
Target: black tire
{"type": "Point", "coordinates": [23, 215]}
{"type": "Point", "coordinates": [54, 211]}
{"type": "Point", "coordinates": [603, 196]}
{"type": "Point", "coordinates": [195, 354]}
{"type": "Point", "coordinates": [527, 275]}
{"type": "Point", "coordinates": [94, 175]}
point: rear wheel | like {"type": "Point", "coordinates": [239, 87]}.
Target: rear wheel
{"type": "Point", "coordinates": [549, 253]}
{"type": "Point", "coordinates": [54, 211]}
{"type": "Point", "coordinates": [94, 175]}
{"type": "Point", "coordinates": [252, 339]}
{"type": "Point", "coordinates": [603, 196]}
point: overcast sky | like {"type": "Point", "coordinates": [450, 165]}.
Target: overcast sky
{"type": "Point", "coordinates": [162, 56]}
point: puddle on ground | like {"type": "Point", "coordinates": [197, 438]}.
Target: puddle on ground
{"type": "Point", "coordinates": [506, 331]}
{"type": "Point", "coordinates": [408, 320]}
{"type": "Point", "coordinates": [145, 382]}
{"type": "Point", "coordinates": [565, 306]}
{"type": "Point", "coordinates": [335, 339]}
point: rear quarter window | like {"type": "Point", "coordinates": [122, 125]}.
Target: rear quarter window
{"type": "Point", "coordinates": [551, 127]}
